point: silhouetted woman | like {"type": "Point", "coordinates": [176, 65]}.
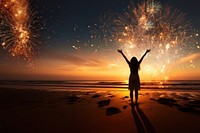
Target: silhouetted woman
{"type": "Point", "coordinates": [134, 79]}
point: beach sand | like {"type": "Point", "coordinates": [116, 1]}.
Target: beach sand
{"type": "Point", "coordinates": [98, 111]}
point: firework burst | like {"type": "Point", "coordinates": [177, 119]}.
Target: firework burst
{"type": "Point", "coordinates": [16, 28]}
{"type": "Point", "coordinates": [148, 24]}
{"type": "Point", "coordinates": [153, 8]}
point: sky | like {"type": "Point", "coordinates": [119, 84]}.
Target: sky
{"type": "Point", "coordinates": [75, 44]}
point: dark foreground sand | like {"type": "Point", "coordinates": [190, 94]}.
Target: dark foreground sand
{"type": "Point", "coordinates": [39, 111]}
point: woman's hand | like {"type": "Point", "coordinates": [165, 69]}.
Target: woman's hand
{"type": "Point", "coordinates": [120, 51]}
{"type": "Point", "coordinates": [148, 50]}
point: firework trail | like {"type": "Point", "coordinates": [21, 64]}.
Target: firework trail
{"type": "Point", "coordinates": [16, 28]}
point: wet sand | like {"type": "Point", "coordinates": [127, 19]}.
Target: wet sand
{"type": "Point", "coordinates": [98, 111]}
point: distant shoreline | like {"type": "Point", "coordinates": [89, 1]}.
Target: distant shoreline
{"type": "Point", "coordinates": [88, 84]}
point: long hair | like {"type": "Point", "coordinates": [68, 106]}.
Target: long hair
{"type": "Point", "coordinates": [134, 63]}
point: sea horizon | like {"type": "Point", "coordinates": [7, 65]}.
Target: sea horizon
{"type": "Point", "coordinates": [102, 84]}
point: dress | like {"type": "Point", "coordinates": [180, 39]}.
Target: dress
{"type": "Point", "coordinates": [134, 79]}
{"type": "Point", "coordinates": [134, 82]}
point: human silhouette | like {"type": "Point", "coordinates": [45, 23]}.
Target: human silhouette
{"type": "Point", "coordinates": [134, 79]}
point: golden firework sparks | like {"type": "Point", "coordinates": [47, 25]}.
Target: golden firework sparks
{"type": "Point", "coordinates": [148, 24]}
{"type": "Point", "coordinates": [15, 31]}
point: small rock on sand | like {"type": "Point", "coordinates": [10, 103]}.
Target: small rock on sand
{"type": "Point", "coordinates": [103, 103]}
{"type": "Point", "coordinates": [112, 111]}
{"type": "Point", "coordinates": [73, 99]}
{"type": "Point", "coordinates": [125, 106]}
{"type": "Point", "coordinates": [96, 96]}
{"type": "Point", "coordinates": [166, 101]}
{"type": "Point", "coordinates": [126, 96]}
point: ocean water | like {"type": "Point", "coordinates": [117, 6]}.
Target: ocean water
{"type": "Point", "coordinates": [99, 84]}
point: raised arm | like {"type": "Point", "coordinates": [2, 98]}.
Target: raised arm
{"type": "Point", "coordinates": [147, 51]}
{"type": "Point", "coordinates": [120, 51]}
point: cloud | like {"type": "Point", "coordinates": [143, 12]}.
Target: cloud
{"type": "Point", "coordinates": [188, 58]}
{"type": "Point", "coordinates": [76, 60]}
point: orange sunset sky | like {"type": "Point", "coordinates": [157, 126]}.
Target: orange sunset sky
{"type": "Point", "coordinates": [75, 42]}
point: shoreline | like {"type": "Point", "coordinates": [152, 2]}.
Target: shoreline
{"type": "Point", "coordinates": [158, 84]}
